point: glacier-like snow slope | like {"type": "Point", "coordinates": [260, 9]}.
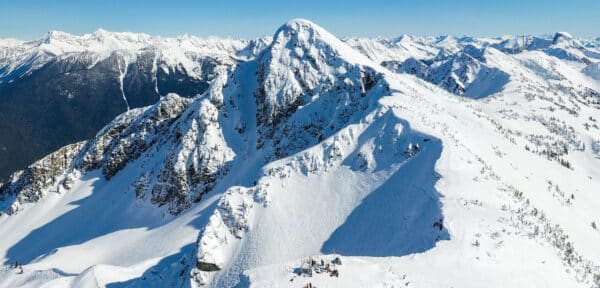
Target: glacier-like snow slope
{"type": "Point", "coordinates": [314, 148]}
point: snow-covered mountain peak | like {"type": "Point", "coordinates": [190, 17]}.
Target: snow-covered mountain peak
{"type": "Point", "coordinates": [560, 37]}
{"type": "Point", "coordinates": [297, 25]}
{"type": "Point", "coordinates": [98, 41]}
{"type": "Point", "coordinates": [9, 43]}
{"type": "Point", "coordinates": [55, 35]}
{"type": "Point", "coordinates": [403, 39]}
{"type": "Point", "coordinates": [306, 78]}
{"type": "Point", "coordinates": [448, 43]}
{"type": "Point", "coordinates": [100, 32]}
{"type": "Point", "coordinates": [304, 34]}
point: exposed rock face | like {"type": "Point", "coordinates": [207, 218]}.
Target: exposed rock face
{"type": "Point", "coordinates": [191, 155]}
{"type": "Point", "coordinates": [30, 185]}
{"type": "Point", "coordinates": [196, 156]}
{"type": "Point", "coordinates": [114, 148]}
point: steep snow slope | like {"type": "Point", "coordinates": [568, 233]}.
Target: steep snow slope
{"type": "Point", "coordinates": [593, 70]}
{"type": "Point", "coordinates": [312, 148]}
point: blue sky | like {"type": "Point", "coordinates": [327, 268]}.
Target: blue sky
{"type": "Point", "coordinates": [30, 19]}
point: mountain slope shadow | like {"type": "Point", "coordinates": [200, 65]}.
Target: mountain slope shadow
{"type": "Point", "coordinates": [488, 82]}
{"type": "Point", "coordinates": [107, 209]}
{"type": "Point", "coordinates": [171, 271]}
{"type": "Point", "coordinates": [401, 217]}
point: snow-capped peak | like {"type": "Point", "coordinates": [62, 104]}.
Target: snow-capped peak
{"type": "Point", "coordinates": [100, 32]}
{"type": "Point", "coordinates": [302, 33]}
{"type": "Point", "coordinates": [55, 35]}
{"type": "Point", "coordinates": [9, 43]}
{"type": "Point", "coordinates": [561, 37]}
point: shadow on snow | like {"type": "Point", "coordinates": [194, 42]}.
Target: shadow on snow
{"type": "Point", "coordinates": [402, 216]}
{"type": "Point", "coordinates": [106, 210]}
{"type": "Point", "coordinates": [171, 271]}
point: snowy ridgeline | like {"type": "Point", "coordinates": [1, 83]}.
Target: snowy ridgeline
{"type": "Point", "coordinates": [316, 146]}
{"type": "Point", "coordinates": [19, 58]}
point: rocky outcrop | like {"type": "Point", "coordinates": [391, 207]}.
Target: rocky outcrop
{"type": "Point", "coordinates": [49, 174]}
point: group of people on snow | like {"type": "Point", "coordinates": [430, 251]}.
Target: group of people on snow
{"type": "Point", "coordinates": [18, 267]}
{"type": "Point", "coordinates": [320, 267]}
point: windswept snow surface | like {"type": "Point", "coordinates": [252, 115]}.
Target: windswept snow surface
{"type": "Point", "coordinates": [312, 149]}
